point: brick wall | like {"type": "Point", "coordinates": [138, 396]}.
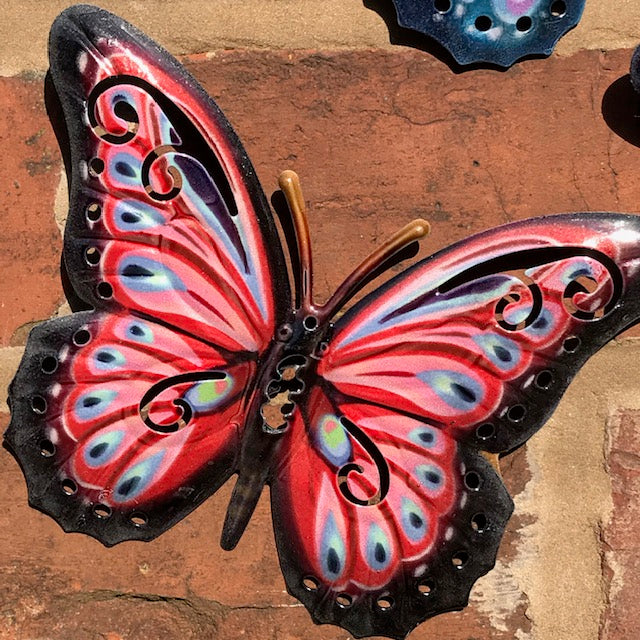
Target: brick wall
{"type": "Point", "coordinates": [380, 135]}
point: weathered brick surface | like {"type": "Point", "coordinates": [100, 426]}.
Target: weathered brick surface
{"type": "Point", "coordinates": [378, 139]}
{"type": "Point", "coordinates": [621, 541]}
{"type": "Point", "coordinates": [29, 241]}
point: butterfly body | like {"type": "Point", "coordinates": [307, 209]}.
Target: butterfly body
{"type": "Point", "coordinates": [289, 368]}
{"type": "Point", "coordinates": [189, 359]}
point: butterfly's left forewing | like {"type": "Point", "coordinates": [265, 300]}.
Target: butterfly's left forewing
{"type": "Point", "coordinates": [384, 484]}
{"type": "Point", "coordinates": [166, 215]}
{"type": "Point", "coordinates": [125, 418]}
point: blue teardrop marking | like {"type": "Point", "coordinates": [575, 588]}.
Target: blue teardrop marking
{"type": "Point", "coordinates": [130, 215]}
{"type": "Point", "coordinates": [134, 481]}
{"type": "Point", "coordinates": [102, 448]}
{"type": "Point", "coordinates": [414, 521]}
{"type": "Point", "coordinates": [108, 359]}
{"type": "Point", "coordinates": [148, 276]}
{"type": "Point", "coordinates": [425, 437]}
{"type": "Point", "coordinates": [503, 352]}
{"type": "Point", "coordinates": [140, 332]}
{"type": "Point", "coordinates": [208, 394]}
{"type": "Point", "coordinates": [94, 403]}
{"type": "Point", "coordinates": [430, 477]}
{"type": "Point", "coordinates": [378, 552]}
{"type": "Point", "coordinates": [542, 325]}
{"type": "Point", "coordinates": [456, 389]}
{"type": "Point", "coordinates": [575, 270]}
{"type": "Point", "coordinates": [332, 550]}
{"type": "Point", "coordinates": [126, 168]}
{"type": "Point", "coordinates": [333, 440]}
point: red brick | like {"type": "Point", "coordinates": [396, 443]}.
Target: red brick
{"type": "Point", "coordinates": [378, 138]}
{"type": "Point", "coordinates": [621, 543]}
{"type": "Point", "coordinates": [30, 240]}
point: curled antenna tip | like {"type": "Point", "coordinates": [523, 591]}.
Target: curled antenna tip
{"type": "Point", "coordinates": [290, 184]}
{"type": "Point", "coordinates": [420, 227]}
{"type": "Point", "coordinates": [287, 178]}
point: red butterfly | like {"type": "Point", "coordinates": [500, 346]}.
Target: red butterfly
{"type": "Point", "coordinates": [376, 431]}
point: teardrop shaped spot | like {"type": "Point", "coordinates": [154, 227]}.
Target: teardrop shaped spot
{"type": "Point", "coordinates": [148, 276]}
{"type": "Point", "coordinates": [378, 552]}
{"type": "Point", "coordinates": [140, 332]}
{"type": "Point", "coordinates": [503, 352]}
{"type": "Point", "coordinates": [332, 550]}
{"type": "Point", "coordinates": [425, 437]}
{"type": "Point", "coordinates": [94, 403]}
{"type": "Point", "coordinates": [130, 217]}
{"type": "Point", "coordinates": [134, 481]}
{"type": "Point", "coordinates": [458, 390]}
{"type": "Point", "coordinates": [414, 521]}
{"type": "Point", "coordinates": [125, 169]}
{"type": "Point", "coordinates": [430, 476]}
{"type": "Point", "coordinates": [102, 448]}
{"type": "Point", "coordinates": [332, 440]}
{"type": "Point", "coordinates": [108, 359]}
{"type": "Point", "coordinates": [542, 325]}
{"type": "Point", "coordinates": [134, 216]}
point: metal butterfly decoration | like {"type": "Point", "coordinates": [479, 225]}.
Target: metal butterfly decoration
{"type": "Point", "coordinates": [377, 430]}
{"type": "Point", "coordinates": [498, 32]}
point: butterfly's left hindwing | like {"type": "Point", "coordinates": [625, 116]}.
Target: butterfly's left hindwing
{"type": "Point", "coordinates": [89, 459]}
{"type": "Point", "coordinates": [127, 417]}
{"type": "Point", "coordinates": [384, 481]}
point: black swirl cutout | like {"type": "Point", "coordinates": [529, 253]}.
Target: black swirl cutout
{"type": "Point", "coordinates": [378, 459]}
{"type": "Point", "coordinates": [180, 403]}
{"type": "Point", "coordinates": [483, 275]}
{"type": "Point", "coordinates": [173, 172]}
{"type": "Point", "coordinates": [582, 284]}
{"type": "Point", "coordinates": [536, 306]}
{"type": "Point", "coordinates": [186, 137]}
{"type": "Point", "coordinates": [121, 109]}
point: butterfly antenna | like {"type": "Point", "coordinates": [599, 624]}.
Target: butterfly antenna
{"type": "Point", "coordinates": [402, 239]}
{"type": "Point", "coordinates": [290, 185]}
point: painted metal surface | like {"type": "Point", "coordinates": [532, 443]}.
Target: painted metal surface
{"type": "Point", "coordinates": [498, 32]}
{"type": "Point", "coordinates": [185, 362]}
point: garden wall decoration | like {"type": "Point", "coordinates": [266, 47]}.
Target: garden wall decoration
{"type": "Point", "coordinates": [192, 357]}
{"type": "Point", "coordinates": [498, 32]}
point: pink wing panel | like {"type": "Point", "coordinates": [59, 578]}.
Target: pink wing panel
{"type": "Point", "coordinates": [348, 544]}
{"type": "Point", "coordinates": [372, 509]}
{"type": "Point", "coordinates": [108, 453]}
{"type": "Point", "coordinates": [167, 218]}
{"type": "Point", "coordinates": [454, 339]}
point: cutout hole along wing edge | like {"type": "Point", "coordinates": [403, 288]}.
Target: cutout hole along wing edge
{"type": "Point", "coordinates": [385, 507]}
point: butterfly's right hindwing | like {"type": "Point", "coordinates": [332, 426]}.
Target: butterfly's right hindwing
{"type": "Point", "coordinates": [167, 218]}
